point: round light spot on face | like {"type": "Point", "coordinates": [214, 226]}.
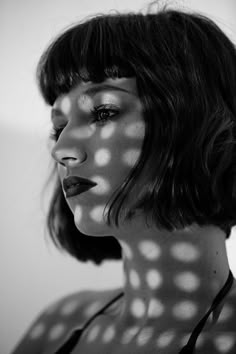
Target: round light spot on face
{"type": "Point", "coordinates": [149, 249]}
{"type": "Point", "coordinates": [111, 97]}
{"type": "Point", "coordinates": [92, 308]}
{"type": "Point", "coordinates": [102, 187]}
{"type": "Point", "coordinates": [131, 156]}
{"type": "Point", "coordinates": [37, 331]}
{"type": "Point", "coordinates": [135, 130]}
{"type": "Point", "coordinates": [138, 308]}
{"type": "Point", "coordinates": [187, 281]}
{"type": "Point", "coordinates": [97, 213]}
{"type": "Point", "coordinates": [129, 334]}
{"type": "Point", "coordinates": [126, 250]}
{"type": "Point", "coordinates": [185, 252]}
{"type": "Point", "coordinates": [108, 130]}
{"type": "Point", "coordinates": [144, 336]}
{"type": "Point", "coordinates": [69, 307]}
{"type": "Point", "coordinates": [153, 279]}
{"type": "Point", "coordinates": [85, 103]}
{"type": "Point", "coordinates": [102, 157]}
{"type": "Point", "coordinates": [78, 214]}
{"type": "Point", "coordinates": [155, 308]}
{"type": "Point", "coordinates": [165, 339]}
{"type": "Point", "coordinates": [65, 105]}
{"type": "Point", "coordinates": [93, 333]}
{"type": "Point", "coordinates": [226, 313]}
{"type": "Point", "coordinates": [134, 279]}
{"type": "Point", "coordinates": [184, 310]}
{"type": "Point", "coordinates": [56, 331]}
{"type": "Point", "coordinates": [224, 343]}
{"type": "Point", "coordinates": [83, 132]}
{"type": "Point", "coordinates": [109, 334]}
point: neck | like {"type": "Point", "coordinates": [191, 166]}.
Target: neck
{"type": "Point", "coordinates": [171, 278]}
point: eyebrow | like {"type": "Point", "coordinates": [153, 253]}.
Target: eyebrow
{"type": "Point", "coordinates": [92, 91]}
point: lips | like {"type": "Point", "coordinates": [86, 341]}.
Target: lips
{"type": "Point", "coordinates": [74, 185]}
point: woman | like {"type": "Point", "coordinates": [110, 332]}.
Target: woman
{"type": "Point", "coordinates": [143, 113]}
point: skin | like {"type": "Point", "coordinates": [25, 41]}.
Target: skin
{"type": "Point", "coordinates": [170, 278]}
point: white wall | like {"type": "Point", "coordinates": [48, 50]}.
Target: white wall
{"type": "Point", "coordinates": [32, 272]}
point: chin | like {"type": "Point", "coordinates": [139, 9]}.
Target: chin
{"type": "Point", "coordinates": [91, 221]}
{"type": "Point", "coordinates": [91, 228]}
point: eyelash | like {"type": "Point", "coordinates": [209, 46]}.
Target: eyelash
{"type": "Point", "coordinates": [55, 132]}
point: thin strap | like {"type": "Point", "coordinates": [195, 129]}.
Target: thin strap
{"type": "Point", "coordinates": [189, 347]}
{"type": "Point", "coordinates": [69, 345]}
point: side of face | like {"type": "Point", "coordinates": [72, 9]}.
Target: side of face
{"type": "Point", "coordinates": [101, 140]}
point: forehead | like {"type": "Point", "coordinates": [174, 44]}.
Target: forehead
{"type": "Point", "coordinates": [121, 85]}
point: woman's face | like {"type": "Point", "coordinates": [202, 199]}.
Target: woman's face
{"type": "Point", "coordinates": [101, 139]}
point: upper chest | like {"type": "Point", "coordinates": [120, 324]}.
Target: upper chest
{"type": "Point", "coordinates": [102, 337]}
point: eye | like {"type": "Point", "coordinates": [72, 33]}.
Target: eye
{"type": "Point", "coordinates": [103, 114]}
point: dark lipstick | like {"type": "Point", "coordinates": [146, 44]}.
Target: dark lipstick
{"type": "Point", "coordinates": [74, 185]}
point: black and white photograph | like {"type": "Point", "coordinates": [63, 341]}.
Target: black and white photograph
{"type": "Point", "coordinates": [118, 177]}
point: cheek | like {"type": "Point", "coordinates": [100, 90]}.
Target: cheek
{"type": "Point", "coordinates": [131, 156]}
{"type": "Point", "coordinates": [136, 129]}
{"type": "Point", "coordinates": [129, 143]}
{"type": "Point", "coordinates": [102, 157]}
{"type": "Point", "coordinates": [127, 150]}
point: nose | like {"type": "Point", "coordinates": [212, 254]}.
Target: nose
{"type": "Point", "coordinates": [68, 157]}
{"type": "Point", "coordinates": [69, 151]}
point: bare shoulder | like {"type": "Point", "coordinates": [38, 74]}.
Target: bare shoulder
{"type": "Point", "coordinates": [55, 323]}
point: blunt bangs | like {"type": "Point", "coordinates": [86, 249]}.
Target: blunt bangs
{"type": "Point", "coordinates": [92, 51]}
{"type": "Point", "coordinates": [185, 71]}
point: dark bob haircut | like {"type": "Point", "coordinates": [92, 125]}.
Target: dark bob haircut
{"type": "Point", "coordinates": [185, 69]}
